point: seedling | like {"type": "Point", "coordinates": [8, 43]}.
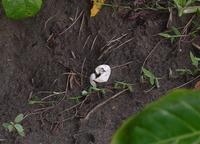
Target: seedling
{"type": "Point", "coordinates": [15, 126]}
{"type": "Point", "coordinates": [153, 80]}
{"type": "Point", "coordinates": [88, 92]}
{"type": "Point", "coordinates": [195, 62]}
{"type": "Point", "coordinates": [123, 85]}
{"type": "Point", "coordinates": [186, 6]}
{"type": "Point", "coordinates": [37, 100]}
{"type": "Point", "coordinates": [93, 90]}
{"type": "Point", "coordinates": [173, 34]}
{"type": "Point", "coordinates": [76, 98]}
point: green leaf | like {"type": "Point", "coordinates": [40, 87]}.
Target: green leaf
{"type": "Point", "coordinates": [194, 60]}
{"type": "Point", "coordinates": [192, 9]}
{"type": "Point", "coordinates": [165, 35]}
{"type": "Point", "coordinates": [21, 134]}
{"type": "Point", "coordinates": [19, 118]}
{"type": "Point", "coordinates": [152, 80]}
{"type": "Point", "coordinates": [8, 126]}
{"type": "Point", "coordinates": [176, 31]}
{"type": "Point", "coordinates": [5, 125]}
{"type": "Point", "coordinates": [20, 9]}
{"type": "Point", "coordinates": [174, 119]}
{"type": "Point", "coordinates": [19, 128]}
{"type": "Point", "coordinates": [147, 73]}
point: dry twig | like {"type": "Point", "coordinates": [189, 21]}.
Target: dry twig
{"type": "Point", "coordinates": [103, 103]}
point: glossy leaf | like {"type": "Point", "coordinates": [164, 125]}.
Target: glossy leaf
{"type": "Point", "coordinates": [20, 9]}
{"type": "Point", "coordinates": [174, 119]}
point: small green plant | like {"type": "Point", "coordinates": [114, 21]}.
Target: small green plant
{"type": "Point", "coordinates": [153, 80]}
{"type": "Point", "coordinates": [20, 9]}
{"type": "Point", "coordinates": [87, 92]}
{"type": "Point", "coordinates": [123, 85]}
{"type": "Point", "coordinates": [93, 90]}
{"type": "Point", "coordinates": [173, 34]}
{"type": "Point", "coordinates": [76, 98]}
{"type": "Point", "coordinates": [36, 100]}
{"type": "Point", "coordinates": [195, 62]}
{"type": "Point", "coordinates": [186, 6]}
{"type": "Point", "coordinates": [15, 126]}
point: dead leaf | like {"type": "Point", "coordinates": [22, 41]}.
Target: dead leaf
{"type": "Point", "coordinates": [197, 86]}
{"type": "Point", "coordinates": [97, 5]}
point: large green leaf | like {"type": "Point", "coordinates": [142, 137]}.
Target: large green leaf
{"type": "Point", "coordinates": [174, 119]}
{"type": "Point", "coordinates": [19, 9]}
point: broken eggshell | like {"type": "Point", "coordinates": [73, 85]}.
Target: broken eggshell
{"type": "Point", "coordinates": [101, 75]}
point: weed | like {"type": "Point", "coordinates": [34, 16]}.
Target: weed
{"type": "Point", "coordinates": [186, 6]}
{"type": "Point", "coordinates": [93, 90]}
{"type": "Point", "coordinates": [153, 80]}
{"type": "Point", "coordinates": [195, 62]}
{"type": "Point", "coordinates": [87, 92]}
{"type": "Point", "coordinates": [76, 98]}
{"type": "Point", "coordinates": [173, 34]}
{"type": "Point", "coordinates": [123, 85]}
{"type": "Point", "coordinates": [37, 100]}
{"type": "Point", "coordinates": [15, 126]}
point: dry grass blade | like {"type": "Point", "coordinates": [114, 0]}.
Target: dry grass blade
{"type": "Point", "coordinates": [65, 30]}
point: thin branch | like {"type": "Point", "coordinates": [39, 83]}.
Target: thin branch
{"type": "Point", "coordinates": [103, 103]}
{"type": "Point", "coordinates": [154, 48]}
{"type": "Point", "coordinates": [187, 82]}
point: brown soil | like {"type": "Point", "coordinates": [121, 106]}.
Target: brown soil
{"type": "Point", "coordinates": [37, 55]}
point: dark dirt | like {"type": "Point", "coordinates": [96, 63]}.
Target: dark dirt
{"type": "Point", "coordinates": [36, 57]}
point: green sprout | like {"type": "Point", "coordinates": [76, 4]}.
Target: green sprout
{"type": "Point", "coordinates": [186, 6]}
{"type": "Point", "coordinates": [123, 85]}
{"type": "Point", "coordinates": [15, 126]}
{"type": "Point", "coordinates": [87, 92]}
{"type": "Point", "coordinates": [76, 98]}
{"type": "Point", "coordinates": [93, 90]}
{"type": "Point", "coordinates": [153, 80]}
{"type": "Point", "coordinates": [173, 34]}
{"type": "Point", "coordinates": [195, 62]}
